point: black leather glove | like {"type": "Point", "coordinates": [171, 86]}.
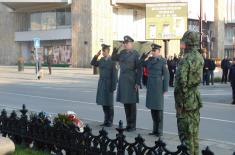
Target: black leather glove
{"type": "Point", "coordinates": [115, 50]}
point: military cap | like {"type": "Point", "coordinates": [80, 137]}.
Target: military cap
{"type": "Point", "coordinates": [128, 39]}
{"type": "Point", "coordinates": [191, 38]}
{"type": "Point", "coordinates": [104, 46]}
{"type": "Point", "coordinates": [155, 46]}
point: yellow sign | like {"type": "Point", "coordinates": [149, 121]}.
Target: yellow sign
{"type": "Point", "coordinates": [166, 20]}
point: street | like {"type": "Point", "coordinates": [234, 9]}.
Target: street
{"type": "Point", "coordinates": [75, 89]}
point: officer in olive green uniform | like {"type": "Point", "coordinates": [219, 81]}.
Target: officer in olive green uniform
{"type": "Point", "coordinates": [187, 97]}
{"type": "Point", "coordinates": [158, 80]}
{"type": "Point", "coordinates": [129, 80]}
{"type": "Point", "coordinates": [107, 83]}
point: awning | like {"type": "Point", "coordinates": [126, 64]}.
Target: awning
{"type": "Point", "coordinates": [56, 34]}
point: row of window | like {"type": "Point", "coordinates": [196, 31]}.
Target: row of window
{"type": "Point", "coordinates": [51, 19]}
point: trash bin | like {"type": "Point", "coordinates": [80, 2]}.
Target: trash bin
{"type": "Point", "coordinates": [20, 63]}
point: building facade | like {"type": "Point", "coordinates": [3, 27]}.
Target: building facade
{"type": "Point", "coordinates": [72, 30]}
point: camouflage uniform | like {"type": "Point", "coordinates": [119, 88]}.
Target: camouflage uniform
{"type": "Point", "coordinates": [187, 96]}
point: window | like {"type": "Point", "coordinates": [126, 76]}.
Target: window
{"type": "Point", "coordinates": [60, 17]}
{"type": "Point", "coordinates": [35, 19]}
{"type": "Point", "coordinates": [50, 19]}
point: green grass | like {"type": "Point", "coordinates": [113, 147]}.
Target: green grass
{"type": "Point", "coordinates": [27, 151]}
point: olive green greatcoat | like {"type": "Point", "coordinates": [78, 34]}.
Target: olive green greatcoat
{"type": "Point", "coordinates": [107, 80]}
{"type": "Point", "coordinates": [130, 75]}
{"type": "Point", "coordinates": [158, 80]}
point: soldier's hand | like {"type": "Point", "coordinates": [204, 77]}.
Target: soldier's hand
{"type": "Point", "coordinates": [98, 53]}
{"type": "Point", "coordinates": [179, 110]}
{"type": "Point", "coordinates": [115, 50]}
{"type": "Point", "coordinates": [143, 56]}
{"type": "Point", "coordinates": [136, 87]}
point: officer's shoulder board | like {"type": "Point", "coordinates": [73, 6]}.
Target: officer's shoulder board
{"type": "Point", "coordinates": [164, 62]}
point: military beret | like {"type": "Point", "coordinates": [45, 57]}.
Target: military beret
{"type": "Point", "coordinates": [128, 39]}
{"type": "Point", "coordinates": [155, 46]}
{"type": "Point", "coordinates": [104, 46]}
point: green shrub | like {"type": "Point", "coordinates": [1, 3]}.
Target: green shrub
{"type": "Point", "coordinates": [45, 65]}
{"type": "Point", "coordinates": [217, 79]}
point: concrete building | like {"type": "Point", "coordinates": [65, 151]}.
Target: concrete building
{"type": "Point", "coordinates": [74, 29]}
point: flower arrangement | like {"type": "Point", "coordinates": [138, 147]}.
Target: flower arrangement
{"type": "Point", "coordinates": [70, 118]}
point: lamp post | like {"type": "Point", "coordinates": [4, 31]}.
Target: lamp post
{"type": "Point", "coordinates": [200, 25]}
{"type": "Point", "coordinates": [233, 46]}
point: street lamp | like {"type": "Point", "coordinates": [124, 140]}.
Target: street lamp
{"type": "Point", "coordinates": [233, 46]}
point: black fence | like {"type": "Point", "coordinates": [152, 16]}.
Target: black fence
{"type": "Point", "coordinates": [39, 132]}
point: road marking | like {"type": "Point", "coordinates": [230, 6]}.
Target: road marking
{"type": "Point", "coordinates": [120, 107]}
{"type": "Point", "coordinates": [220, 94]}
{"type": "Point", "coordinates": [213, 104]}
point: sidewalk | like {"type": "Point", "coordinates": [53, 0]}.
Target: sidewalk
{"type": "Point", "coordinates": [171, 140]}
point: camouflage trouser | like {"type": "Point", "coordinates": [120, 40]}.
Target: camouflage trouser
{"type": "Point", "coordinates": [188, 129]}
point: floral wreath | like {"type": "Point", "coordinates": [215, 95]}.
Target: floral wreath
{"type": "Point", "coordinates": [70, 117]}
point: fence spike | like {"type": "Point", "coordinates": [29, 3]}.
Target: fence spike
{"type": "Point", "coordinates": [120, 124]}
{"type": "Point", "coordinates": [207, 151]}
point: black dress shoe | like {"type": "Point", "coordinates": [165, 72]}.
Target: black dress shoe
{"type": "Point", "coordinates": [129, 129]}
{"type": "Point", "coordinates": [154, 134]}
{"type": "Point", "coordinates": [108, 125]}
{"type": "Point", "coordinates": [102, 124]}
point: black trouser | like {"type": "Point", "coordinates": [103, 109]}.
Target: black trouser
{"type": "Point", "coordinates": [49, 67]}
{"type": "Point", "coordinates": [130, 110]}
{"type": "Point", "coordinates": [211, 76]}
{"type": "Point", "coordinates": [233, 89]}
{"type": "Point", "coordinates": [108, 115]}
{"type": "Point", "coordinates": [206, 77]}
{"type": "Point", "coordinates": [171, 82]}
{"type": "Point", "coordinates": [224, 75]}
{"type": "Point", "coordinates": [157, 116]}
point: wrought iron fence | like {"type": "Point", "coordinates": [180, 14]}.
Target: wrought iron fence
{"type": "Point", "coordinates": [39, 132]}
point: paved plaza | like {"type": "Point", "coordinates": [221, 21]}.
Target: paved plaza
{"type": "Point", "coordinates": [75, 89]}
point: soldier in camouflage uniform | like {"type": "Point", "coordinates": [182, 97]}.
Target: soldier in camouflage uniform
{"type": "Point", "coordinates": [187, 97]}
